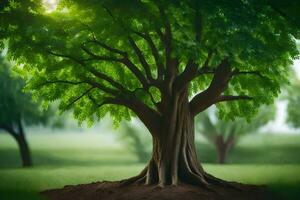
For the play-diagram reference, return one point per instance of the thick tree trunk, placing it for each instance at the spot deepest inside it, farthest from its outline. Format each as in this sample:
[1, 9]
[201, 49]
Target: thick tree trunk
[174, 156]
[174, 159]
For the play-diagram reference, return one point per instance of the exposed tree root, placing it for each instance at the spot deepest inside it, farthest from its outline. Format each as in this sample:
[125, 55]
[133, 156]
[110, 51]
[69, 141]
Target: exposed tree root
[114, 191]
[205, 181]
[135, 179]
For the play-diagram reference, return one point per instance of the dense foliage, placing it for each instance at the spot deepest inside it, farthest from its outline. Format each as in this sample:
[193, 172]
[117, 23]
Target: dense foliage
[88, 53]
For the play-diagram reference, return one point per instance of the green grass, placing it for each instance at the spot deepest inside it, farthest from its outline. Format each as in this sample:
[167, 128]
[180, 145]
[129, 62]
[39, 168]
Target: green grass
[64, 159]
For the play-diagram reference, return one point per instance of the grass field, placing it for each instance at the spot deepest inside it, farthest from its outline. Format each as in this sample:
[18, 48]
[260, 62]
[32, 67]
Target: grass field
[62, 159]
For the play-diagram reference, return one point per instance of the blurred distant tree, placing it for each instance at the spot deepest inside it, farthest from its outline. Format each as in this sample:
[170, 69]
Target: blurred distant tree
[134, 137]
[225, 134]
[163, 61]
[17, 109]
[293, 107]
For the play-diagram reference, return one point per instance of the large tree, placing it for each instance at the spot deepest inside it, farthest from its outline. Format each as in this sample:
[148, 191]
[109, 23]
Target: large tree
[17, 108]
[224, 135]
[163, 61]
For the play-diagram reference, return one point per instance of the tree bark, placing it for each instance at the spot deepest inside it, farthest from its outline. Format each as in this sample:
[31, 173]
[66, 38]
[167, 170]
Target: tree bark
[174, 159]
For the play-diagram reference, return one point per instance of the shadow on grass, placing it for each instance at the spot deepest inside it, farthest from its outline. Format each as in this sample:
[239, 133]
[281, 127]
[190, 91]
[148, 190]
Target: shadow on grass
[20, 195]
[285, 192]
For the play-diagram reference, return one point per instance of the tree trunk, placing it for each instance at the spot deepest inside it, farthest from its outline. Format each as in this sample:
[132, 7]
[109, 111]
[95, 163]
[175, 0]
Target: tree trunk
[174, 159]
[221, 149]
[24, 151]
[223, 146]
[20, 138]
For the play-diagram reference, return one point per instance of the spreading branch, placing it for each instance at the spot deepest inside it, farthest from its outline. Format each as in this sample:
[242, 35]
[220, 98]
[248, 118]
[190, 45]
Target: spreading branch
[149, 116]
[60, 81]
[191, 71]
[223, 98]
[98, 57]
[198, 22]
[218, 84]
[187, 75]
[107, 47]
[124, 60]
[256, 73]
[165, 37]
[79, 97]
[154, 51]
[93, 71]
[141, 58]
[205, 66]
[9, 129]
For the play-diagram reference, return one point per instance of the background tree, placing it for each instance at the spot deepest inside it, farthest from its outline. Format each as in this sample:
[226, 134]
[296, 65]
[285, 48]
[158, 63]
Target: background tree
[163, 61]
[17, 109]
[133, 135]
[293, 97]
[224, 135]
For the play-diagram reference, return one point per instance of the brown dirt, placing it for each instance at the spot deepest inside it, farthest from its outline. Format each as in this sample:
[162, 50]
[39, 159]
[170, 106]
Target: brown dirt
[115, 191]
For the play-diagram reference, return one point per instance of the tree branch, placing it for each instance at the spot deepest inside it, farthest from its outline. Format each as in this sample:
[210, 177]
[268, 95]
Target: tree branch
[60, 81]
[223, 98]
[147, 115]
[141, 58]
[135, 70]
[97, 57]
[79, 97]
[103, 88]
[186, 76]
[125, 60]
[159, 64]
[10, 130]
[191, 71]
[198, 22]
[256, 73]
[206, 63]
[166, 37]
[218, 84]
[107, 47]
[94, 72]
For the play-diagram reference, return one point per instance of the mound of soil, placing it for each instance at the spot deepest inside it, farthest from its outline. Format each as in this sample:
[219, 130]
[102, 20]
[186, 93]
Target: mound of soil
[116, 191]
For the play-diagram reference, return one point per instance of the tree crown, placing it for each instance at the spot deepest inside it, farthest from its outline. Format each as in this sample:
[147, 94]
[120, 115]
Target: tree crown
[128, 57]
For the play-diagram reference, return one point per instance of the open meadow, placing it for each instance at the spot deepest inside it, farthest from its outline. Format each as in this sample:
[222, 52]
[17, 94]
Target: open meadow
[64, 159]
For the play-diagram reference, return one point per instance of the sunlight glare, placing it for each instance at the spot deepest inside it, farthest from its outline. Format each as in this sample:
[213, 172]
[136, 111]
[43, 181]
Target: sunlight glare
[50, 5]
